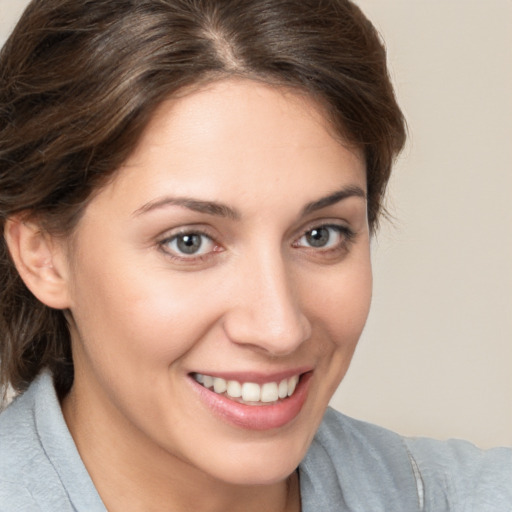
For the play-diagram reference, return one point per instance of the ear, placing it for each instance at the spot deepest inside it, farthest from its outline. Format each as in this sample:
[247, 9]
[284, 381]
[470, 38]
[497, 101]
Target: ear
[40, 260]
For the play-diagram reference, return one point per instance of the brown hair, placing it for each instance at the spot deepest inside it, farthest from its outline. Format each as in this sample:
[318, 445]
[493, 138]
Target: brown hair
[79, 81]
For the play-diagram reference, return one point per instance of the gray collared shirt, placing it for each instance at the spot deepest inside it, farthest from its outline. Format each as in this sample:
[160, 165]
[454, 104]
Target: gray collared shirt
[351, 466]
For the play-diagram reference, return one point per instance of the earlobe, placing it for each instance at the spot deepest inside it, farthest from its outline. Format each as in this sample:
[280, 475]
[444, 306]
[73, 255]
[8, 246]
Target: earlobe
[40, 261]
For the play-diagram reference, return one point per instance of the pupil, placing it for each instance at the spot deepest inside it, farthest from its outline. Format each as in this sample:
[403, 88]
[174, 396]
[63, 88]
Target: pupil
[189, 244]
[318, 237]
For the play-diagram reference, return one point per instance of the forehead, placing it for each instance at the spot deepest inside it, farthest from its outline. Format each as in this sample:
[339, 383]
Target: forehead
[239, 136]
[263, 106]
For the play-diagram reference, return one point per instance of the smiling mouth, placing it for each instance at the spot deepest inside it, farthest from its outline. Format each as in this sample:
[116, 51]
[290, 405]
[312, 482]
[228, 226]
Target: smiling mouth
[249, 393]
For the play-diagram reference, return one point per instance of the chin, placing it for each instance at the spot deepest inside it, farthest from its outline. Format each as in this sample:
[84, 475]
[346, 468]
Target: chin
[258, 461]
[261, 472]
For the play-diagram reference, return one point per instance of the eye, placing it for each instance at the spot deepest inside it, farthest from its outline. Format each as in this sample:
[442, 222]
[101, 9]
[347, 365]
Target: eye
[189, 245]
[325, 237]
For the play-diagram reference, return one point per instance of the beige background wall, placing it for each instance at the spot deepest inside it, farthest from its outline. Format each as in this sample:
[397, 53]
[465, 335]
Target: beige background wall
[436, 356]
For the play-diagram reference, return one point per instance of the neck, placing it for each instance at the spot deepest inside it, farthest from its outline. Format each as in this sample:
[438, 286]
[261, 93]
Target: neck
[132, 474]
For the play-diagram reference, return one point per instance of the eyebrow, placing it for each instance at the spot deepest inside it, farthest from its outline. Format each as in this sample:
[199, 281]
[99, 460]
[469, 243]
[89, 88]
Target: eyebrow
[336, 197]
[222, 210]
[208, 207]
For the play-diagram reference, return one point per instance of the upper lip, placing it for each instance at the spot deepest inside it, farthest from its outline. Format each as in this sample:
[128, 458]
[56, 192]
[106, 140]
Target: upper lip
[257, 377]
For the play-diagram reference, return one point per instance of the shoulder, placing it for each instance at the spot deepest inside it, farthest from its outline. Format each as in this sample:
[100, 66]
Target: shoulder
[28, 479]
[363, 466]
[398, 473]
[20, 448]
[16, 497]
[466, 477]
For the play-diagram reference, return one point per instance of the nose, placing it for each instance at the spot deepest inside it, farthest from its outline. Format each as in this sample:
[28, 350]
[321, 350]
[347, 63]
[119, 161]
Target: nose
[266, 307]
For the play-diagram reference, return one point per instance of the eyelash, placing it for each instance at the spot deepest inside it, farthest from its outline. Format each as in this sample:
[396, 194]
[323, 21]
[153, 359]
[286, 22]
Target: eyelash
[164, 246]
[346, 234]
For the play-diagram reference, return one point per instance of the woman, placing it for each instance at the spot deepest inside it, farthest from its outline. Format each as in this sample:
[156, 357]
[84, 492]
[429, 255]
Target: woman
[188, 190]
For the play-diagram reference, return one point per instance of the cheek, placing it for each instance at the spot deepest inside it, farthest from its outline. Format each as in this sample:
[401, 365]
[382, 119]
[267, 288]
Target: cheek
[339, 302]
[134, 316]
[340, 315]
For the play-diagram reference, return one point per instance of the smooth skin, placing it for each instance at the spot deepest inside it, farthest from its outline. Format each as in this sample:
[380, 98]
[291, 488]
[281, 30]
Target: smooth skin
[212, 250]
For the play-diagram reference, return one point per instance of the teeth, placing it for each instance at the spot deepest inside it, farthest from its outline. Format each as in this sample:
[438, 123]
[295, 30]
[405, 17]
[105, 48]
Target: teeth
[292, 384]
[219, 385]
[250, 391]
[269, 392]
[283, 389]
[234, 389]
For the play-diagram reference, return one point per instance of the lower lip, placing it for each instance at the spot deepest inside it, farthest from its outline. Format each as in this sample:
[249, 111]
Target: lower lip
[256, 417]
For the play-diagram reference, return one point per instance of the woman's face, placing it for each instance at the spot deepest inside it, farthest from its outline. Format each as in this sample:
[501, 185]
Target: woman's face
[233, 248]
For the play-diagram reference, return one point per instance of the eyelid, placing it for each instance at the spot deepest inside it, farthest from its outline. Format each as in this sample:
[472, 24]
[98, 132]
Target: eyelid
[345, 232]
[335, 223]
[199, 229]
[172, 234]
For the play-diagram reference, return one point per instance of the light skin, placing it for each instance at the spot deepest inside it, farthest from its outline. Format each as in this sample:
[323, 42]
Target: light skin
[280, 283]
